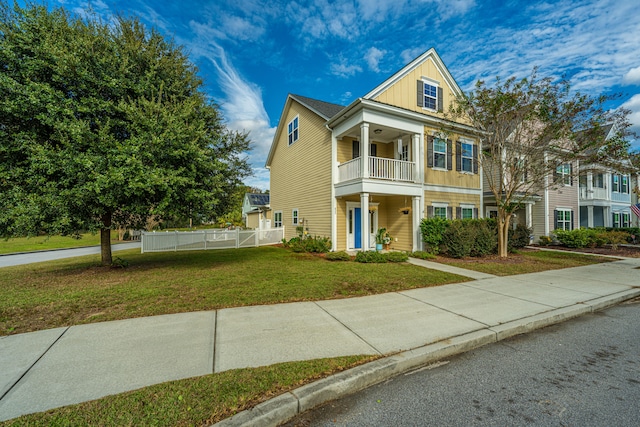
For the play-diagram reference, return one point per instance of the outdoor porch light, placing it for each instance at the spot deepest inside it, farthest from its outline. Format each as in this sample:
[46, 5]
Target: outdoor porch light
[377, 131]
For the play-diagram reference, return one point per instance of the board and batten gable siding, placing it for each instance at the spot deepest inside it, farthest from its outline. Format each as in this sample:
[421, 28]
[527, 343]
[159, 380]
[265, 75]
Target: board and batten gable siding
[403, 92]
[300, 176]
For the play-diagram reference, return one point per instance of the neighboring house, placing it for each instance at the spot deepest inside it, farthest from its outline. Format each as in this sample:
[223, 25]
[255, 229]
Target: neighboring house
[635, 200]
[388, 159]
[605, 194]
[256, 212]
[553, 206]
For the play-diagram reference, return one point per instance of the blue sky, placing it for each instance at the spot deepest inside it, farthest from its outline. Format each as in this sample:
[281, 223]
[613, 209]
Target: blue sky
[252, 53]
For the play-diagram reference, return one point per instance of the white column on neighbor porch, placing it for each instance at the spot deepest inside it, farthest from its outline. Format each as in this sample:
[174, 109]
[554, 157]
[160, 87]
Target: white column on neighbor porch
[415, 212]
[606, 211]
[415, 158]
[334, 180]
[590, 216]
[529, 217]
[364, 149]
[364, 212]
[589, 194]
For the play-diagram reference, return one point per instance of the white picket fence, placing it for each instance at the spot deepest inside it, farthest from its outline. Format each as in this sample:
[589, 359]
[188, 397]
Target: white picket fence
[171, 241]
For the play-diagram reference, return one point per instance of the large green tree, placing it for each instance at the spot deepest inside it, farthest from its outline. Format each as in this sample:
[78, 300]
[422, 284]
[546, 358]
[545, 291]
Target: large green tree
[103, 123]
[530, 127]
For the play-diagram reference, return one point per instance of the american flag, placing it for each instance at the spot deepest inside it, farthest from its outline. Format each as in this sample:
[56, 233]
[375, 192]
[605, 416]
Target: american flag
[636, 209]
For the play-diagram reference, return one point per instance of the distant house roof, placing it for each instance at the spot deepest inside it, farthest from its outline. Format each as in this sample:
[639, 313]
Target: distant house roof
[322, 108]
[257, 199]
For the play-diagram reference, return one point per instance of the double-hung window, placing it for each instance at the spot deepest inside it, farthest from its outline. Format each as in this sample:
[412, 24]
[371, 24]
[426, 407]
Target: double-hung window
[624, 184]
[294, 216]
[430, 96]
[563, 221]
[404, 155]
[615, 185]
[277, 219]
[563, 172]
[440, 212]
[616, 220]
[626, 220]
[293, 130]
[467, 213]
[467, 157]
[439, 153]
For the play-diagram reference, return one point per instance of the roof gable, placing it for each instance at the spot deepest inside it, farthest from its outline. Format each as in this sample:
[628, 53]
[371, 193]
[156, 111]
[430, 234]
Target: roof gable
[429, 56]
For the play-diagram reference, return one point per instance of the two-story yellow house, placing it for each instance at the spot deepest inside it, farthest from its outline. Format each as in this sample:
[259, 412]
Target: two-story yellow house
[388, 159]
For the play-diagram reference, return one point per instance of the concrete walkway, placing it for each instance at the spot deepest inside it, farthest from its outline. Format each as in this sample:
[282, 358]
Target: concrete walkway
[57, 367]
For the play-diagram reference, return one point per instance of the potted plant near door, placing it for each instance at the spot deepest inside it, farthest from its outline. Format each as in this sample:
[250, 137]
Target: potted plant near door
[382, 238]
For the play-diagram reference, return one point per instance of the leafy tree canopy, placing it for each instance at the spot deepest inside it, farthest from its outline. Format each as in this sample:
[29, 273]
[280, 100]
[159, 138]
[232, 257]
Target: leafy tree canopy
[529, 128]
[103, 123]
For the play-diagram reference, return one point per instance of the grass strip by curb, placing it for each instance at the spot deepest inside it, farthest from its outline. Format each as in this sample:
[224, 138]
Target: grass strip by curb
[196, 401]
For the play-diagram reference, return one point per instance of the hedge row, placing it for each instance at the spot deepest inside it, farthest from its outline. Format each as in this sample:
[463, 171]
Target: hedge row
[468, 237]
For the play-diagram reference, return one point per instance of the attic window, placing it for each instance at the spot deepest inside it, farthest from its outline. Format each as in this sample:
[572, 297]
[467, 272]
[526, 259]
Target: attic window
[293, 130]
[430, 96]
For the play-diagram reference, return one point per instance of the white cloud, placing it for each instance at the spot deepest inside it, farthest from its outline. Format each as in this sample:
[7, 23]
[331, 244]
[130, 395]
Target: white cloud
[344, 69]
[373, 57]
[632, 76]
[633, 104]
[243, 109]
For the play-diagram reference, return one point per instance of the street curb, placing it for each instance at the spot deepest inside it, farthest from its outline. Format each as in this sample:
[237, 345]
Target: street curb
[280, 409]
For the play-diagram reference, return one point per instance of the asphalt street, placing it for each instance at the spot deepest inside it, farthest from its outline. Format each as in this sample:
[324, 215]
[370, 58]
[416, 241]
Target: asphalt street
[584, 372]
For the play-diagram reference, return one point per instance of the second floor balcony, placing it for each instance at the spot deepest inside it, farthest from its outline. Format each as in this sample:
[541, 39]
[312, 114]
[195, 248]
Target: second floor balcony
[594, 193]
[378, 168]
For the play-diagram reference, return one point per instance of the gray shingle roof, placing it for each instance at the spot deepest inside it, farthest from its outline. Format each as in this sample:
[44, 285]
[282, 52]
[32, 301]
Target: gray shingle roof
[325, 109]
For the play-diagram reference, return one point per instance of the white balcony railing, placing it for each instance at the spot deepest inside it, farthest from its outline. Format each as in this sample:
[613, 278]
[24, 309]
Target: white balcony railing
[379, 168]
[594, 194]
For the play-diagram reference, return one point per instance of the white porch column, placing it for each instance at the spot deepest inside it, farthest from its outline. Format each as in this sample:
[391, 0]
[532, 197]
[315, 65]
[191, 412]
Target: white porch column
[590, 216]
[589, 194]
[415, 211]
[529, 217]
[334, 180]
[364, 212]
[415, 158]
[606, 212]
[364, 149]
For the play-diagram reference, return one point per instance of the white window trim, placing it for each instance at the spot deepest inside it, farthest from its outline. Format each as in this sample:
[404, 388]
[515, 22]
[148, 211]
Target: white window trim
[439, 152]
[563, 175]
[295, 216]
[619, 222]
[440, 205]
[434, 83]
[293, 136]
[616, 185]
[565, 221]
[464, 141]
[275, 219]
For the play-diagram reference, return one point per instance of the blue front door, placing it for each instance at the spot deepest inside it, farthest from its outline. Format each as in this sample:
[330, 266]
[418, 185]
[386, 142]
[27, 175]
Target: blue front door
[357, 229]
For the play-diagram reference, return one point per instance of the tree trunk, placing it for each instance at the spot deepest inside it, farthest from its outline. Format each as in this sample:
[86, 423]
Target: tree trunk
[105, 240]
[503, 234]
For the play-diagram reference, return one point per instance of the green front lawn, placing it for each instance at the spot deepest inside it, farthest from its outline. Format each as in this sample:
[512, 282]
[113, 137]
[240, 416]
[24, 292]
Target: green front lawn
[79, 290]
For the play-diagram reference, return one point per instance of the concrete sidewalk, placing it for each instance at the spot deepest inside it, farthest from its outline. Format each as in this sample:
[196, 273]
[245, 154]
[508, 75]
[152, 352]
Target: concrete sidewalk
[8, 260]
[52, 368]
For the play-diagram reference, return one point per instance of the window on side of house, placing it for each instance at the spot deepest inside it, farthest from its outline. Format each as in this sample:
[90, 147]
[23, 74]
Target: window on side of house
[626, 220]
[563, 173]
[277, 219]
[616, 220]
[439, 212]
[467, 157]
[624, 184]
[467, 212]
[293, 130]
[294, 216]
[563, 219]
[615, 183]
[439, 153]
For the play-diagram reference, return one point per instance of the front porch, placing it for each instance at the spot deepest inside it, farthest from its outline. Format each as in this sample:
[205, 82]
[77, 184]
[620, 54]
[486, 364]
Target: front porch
[360, 216]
